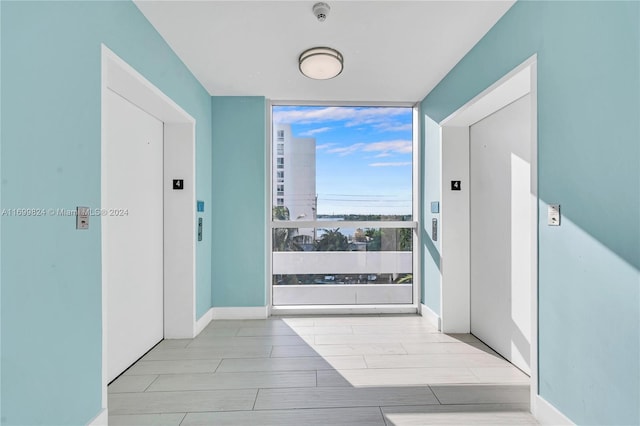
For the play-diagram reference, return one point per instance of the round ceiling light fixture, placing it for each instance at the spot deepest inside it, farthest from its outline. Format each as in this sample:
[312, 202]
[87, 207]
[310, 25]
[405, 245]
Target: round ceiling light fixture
[321, 63]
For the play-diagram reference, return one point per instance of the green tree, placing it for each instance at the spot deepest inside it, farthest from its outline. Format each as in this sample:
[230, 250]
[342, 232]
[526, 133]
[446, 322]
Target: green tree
[332, 240]
[374, 236]
[405, 240]
[389, 239]
[283, 237]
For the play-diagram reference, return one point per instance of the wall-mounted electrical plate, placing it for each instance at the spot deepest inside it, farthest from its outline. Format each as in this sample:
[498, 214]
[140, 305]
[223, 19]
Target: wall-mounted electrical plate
[553, 215]
[82, 217]
[434, 229]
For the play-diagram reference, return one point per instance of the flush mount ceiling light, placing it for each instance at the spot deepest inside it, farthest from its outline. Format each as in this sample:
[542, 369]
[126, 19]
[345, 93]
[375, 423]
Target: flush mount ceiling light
[321, 63]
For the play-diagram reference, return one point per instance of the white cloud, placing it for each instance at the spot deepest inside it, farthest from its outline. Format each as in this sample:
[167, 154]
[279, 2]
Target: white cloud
[346, 150]
[397, 146]
[393, 127]
[392, 164]
[324, 146]
[353, 115]
[384, 149]
[315, 131]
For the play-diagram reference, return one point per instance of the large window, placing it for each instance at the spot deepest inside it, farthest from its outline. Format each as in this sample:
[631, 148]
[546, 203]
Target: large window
[343, 230]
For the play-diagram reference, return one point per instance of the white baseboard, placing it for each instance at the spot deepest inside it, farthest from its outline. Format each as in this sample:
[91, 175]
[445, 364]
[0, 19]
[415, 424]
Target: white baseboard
[102, 419]
[342, 310]
[204, 321]
[258, 312]
[431, 316]
[547, 414]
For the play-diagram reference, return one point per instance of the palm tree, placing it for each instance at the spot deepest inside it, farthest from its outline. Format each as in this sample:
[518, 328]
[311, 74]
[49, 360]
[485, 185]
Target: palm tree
[332, 240]
[283, 237]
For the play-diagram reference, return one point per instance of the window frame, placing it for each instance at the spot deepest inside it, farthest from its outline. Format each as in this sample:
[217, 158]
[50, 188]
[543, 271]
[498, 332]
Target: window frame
[415, 224]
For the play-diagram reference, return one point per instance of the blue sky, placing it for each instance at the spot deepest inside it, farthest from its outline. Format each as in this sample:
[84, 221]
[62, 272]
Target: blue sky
[363, 156]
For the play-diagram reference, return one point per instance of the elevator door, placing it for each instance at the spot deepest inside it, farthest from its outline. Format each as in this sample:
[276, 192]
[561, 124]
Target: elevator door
[500, 153]
[133, 232]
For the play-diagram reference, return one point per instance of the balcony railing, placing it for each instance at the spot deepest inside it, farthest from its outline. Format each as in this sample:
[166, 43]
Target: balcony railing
[375, 268]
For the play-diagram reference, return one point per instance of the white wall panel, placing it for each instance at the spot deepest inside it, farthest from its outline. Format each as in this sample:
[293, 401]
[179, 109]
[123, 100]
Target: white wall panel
[340, 262]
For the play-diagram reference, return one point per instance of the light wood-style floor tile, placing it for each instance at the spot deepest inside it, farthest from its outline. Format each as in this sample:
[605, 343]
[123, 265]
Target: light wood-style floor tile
[321, 370]
[169, 419]
[211, 353]
[396, 377]
[126, 383]
[174, 367]
[366, 416]
[298, 321]
[270, 399]
[220, 331]
[482, 394]
[333, 378]
[291, 363]
[173, 343]
[231, 341]
[408, 337]
[266, 331]
[319, 330]
[507, 374]
[293, 351]
[245, 380]
[173, 402]
[447, 348]
[434, 360]
[484, 414]
[266, 323]
[361, 349]
[393, 329]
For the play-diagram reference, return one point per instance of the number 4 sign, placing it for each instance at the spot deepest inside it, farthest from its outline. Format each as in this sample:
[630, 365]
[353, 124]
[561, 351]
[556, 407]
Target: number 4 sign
[455, 185]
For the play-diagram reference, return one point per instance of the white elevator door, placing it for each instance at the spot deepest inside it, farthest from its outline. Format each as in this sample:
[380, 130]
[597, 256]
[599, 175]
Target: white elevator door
[133, 246]
[500, 149]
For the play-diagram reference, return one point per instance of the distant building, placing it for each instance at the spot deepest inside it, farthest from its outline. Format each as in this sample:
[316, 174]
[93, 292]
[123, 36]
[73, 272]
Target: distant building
[294, 177]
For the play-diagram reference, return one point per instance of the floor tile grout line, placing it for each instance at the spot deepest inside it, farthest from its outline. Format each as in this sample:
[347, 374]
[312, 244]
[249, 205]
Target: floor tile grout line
[373, 404]
[384, 420]
[183, 417]
[218, 366]
[434, 395]
[300, 387]
[253, 408]
[152, 382]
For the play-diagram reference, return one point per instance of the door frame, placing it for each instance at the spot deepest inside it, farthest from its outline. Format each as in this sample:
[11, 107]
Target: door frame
[178, 206]
[455, 285]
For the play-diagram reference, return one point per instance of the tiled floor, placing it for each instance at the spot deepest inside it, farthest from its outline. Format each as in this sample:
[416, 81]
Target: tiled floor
[358, 370]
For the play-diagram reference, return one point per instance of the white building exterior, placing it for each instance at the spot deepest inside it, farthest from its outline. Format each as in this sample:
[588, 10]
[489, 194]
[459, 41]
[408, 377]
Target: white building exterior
[294, 175]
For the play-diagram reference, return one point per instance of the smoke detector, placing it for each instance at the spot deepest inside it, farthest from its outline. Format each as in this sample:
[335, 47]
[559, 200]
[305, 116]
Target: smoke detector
[320, 11]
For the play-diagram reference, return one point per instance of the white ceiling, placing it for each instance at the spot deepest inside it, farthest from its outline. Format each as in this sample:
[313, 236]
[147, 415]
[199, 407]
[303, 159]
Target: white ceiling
[394, 51]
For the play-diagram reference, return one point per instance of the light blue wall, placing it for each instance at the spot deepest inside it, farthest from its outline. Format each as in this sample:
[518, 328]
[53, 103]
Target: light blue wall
[50, 153]
[0, 221]
[430, 143]
[588, 161]
[239, 210]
